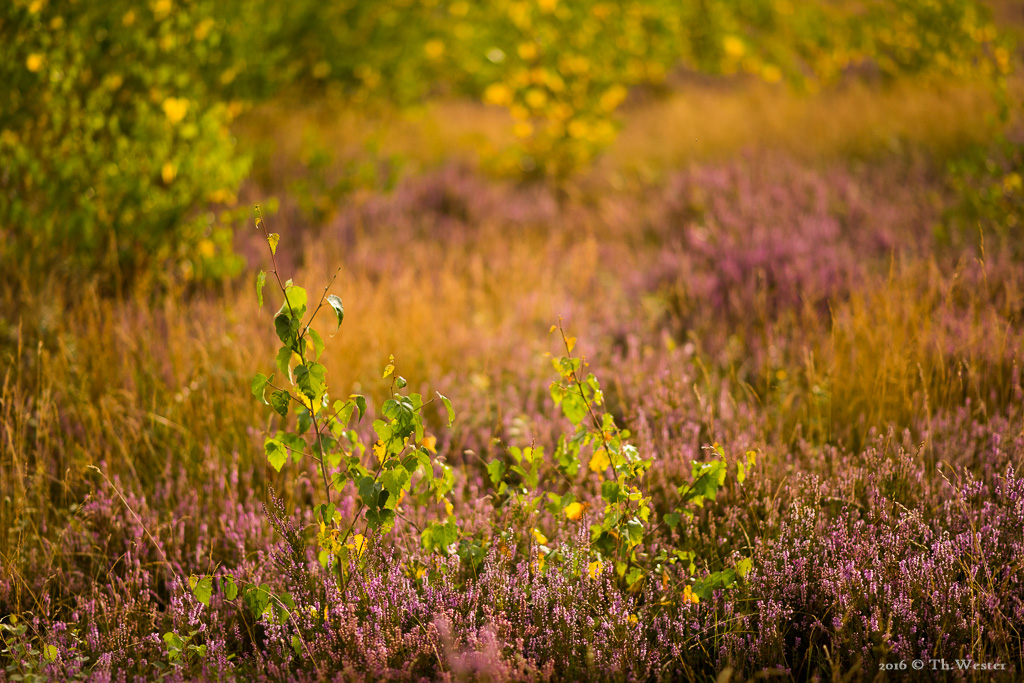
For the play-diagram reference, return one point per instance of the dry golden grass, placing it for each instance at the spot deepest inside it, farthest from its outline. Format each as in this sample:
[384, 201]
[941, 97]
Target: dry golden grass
[708, 121]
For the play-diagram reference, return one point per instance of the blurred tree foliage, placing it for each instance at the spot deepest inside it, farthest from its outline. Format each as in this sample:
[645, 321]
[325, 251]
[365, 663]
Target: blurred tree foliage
[114, 138]
[114, 128]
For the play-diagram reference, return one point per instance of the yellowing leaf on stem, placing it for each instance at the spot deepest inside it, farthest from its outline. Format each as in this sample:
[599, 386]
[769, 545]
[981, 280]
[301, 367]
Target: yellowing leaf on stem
[358, 544]
[570, 343]
[273, 238]
[574, 511]
[599, 462]
[314, 408]
[594, 569]
[430, 443]
[539, 537]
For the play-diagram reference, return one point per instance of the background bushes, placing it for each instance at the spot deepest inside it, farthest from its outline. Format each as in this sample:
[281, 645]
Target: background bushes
[114, 130]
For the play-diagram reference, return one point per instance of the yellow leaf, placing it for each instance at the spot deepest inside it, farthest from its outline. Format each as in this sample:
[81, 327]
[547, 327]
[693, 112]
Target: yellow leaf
[541, 559]
[498, 94]
[689, 596]
[599, 461]
[379, 450]
[168, 173]
[594, 569]
[734, 47]
[273, 238]
[175, 108]
[539, 537]
[430, 443]
[448, 507]
[310, 406]
[207, 249]
[553, 328]
[527, 51]
[523, 129]
[536, 98]
[358, 544]
[574, 511]
[34, 62]
[204, 28]
[434, 49]
[162, 8]
[613, 97]
[570, 343]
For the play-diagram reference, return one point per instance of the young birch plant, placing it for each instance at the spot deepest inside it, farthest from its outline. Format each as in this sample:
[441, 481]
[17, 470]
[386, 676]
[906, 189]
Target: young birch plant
[402, 461]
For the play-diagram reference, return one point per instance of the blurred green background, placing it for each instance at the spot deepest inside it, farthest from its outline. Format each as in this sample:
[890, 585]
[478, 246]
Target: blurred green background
[128, 129]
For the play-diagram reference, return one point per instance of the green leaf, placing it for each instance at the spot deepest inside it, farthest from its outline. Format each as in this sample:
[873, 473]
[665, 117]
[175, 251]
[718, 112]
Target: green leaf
[203, 589]
[230, 588]
[439, 536]
[634, 531]
[296, 298]
[327, 512]
[273, 238]
[258, 599]
[381, 520]
[284, 358]
[743, 567]
[311, 378]
[174, 641]
[279, 400]
[448, 407]
[704, 589]
[318, 342]
[259, 386]
[672, 520]
[276, 453]
[496, 470]
[360, 404]
[394, 482]
[610, 491]
[339, 310]
[369, 490]
[50, 653]
[297, 645]
[261, 281]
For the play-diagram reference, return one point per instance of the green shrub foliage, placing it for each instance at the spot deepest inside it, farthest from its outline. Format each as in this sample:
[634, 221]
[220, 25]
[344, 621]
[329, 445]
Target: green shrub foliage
[114, 138]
